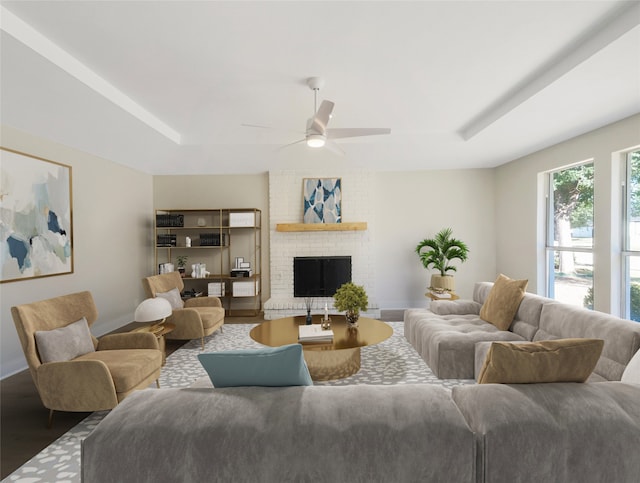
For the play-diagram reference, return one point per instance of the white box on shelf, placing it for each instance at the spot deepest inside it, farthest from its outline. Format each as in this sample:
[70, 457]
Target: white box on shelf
[245, 289]
[242, 219]
[215, 289]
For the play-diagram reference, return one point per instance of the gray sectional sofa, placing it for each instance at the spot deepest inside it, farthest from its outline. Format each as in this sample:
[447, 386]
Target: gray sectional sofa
[476, 433]
[452, 338]
[485, 433]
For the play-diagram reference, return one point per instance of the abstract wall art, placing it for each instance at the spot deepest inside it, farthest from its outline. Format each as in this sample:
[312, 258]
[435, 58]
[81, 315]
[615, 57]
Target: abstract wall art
[35, 217]
[322, 200]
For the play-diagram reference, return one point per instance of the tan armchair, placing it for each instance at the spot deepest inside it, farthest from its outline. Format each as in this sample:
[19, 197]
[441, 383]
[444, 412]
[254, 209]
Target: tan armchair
[96, 380]
[200, 317]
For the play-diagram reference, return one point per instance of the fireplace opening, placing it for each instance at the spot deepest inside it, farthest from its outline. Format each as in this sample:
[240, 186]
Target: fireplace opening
[320, 276]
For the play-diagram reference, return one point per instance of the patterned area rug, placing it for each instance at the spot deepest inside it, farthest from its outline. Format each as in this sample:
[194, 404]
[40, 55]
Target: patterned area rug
[393, 361]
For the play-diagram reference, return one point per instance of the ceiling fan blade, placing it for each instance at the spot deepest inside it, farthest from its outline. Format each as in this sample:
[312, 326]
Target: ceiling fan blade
[321, 119]
[278, 129]
[291, 144]
[351, 132]
[334, 148]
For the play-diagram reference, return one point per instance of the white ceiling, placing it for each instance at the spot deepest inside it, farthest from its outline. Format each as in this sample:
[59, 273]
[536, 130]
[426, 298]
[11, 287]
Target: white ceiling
[541, 72]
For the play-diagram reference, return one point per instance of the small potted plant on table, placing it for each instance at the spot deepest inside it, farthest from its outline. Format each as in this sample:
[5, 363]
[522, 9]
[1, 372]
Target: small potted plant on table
[351, 299]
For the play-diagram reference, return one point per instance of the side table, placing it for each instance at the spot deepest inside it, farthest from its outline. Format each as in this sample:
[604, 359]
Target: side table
[159, 330]
[435, 297]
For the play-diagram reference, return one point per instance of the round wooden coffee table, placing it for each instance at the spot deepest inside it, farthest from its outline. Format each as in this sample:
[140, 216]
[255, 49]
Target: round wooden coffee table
[330, 360]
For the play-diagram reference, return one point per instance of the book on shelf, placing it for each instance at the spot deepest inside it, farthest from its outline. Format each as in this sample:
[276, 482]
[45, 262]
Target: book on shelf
[440, 295]
[314, 333]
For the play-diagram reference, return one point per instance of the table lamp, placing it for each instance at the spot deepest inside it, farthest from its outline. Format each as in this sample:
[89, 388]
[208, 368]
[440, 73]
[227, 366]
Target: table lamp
[153, 310]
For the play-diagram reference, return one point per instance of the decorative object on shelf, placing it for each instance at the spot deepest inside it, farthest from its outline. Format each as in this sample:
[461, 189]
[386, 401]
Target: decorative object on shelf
[187, 241]
[242, 219]
[201, 222]
[182, 260]
[36, 217]
[351, 299]
[165, 268]
[322, 200]
[199, 270]
[166, 240]
[308, 302]
[170, 220]
[441, 250]
[212, 239]
[216, 289]
[242, 268]
[154, 310]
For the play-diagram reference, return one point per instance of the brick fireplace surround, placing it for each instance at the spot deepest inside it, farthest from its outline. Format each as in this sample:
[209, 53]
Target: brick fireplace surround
[285, 206]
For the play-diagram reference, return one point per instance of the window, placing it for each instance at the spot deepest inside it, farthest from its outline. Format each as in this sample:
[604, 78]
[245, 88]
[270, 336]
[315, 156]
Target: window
[569, 240]
[631, 241]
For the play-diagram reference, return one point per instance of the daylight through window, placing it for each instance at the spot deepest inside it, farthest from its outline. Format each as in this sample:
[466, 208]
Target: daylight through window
[569, 241]
[631, 244]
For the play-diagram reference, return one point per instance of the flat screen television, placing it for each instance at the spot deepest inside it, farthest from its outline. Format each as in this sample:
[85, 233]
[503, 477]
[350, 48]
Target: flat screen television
[320, 276]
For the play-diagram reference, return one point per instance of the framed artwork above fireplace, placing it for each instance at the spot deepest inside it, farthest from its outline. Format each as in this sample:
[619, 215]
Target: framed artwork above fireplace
[322, 198]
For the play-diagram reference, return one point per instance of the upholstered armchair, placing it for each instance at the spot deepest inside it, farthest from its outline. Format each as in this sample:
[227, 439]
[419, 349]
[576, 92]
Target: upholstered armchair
[196, 318]
[74, 371]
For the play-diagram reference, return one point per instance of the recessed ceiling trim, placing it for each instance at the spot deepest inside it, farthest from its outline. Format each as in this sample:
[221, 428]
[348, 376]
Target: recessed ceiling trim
[610, 28]
[33, 39]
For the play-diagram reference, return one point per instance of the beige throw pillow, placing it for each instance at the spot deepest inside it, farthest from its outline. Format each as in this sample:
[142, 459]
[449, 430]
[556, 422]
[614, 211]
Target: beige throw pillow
[560, 360]
[503, 301]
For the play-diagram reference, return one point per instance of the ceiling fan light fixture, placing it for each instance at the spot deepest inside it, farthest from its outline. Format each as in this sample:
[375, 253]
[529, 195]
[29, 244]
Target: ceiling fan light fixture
[316, 140]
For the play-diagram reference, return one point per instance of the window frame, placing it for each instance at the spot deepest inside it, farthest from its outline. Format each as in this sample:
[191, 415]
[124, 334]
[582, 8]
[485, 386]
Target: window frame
[549, 248]
[626, 252]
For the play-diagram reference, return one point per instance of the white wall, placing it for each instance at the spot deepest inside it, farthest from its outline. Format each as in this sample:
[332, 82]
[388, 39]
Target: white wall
[112, 212]
[410, 207]
[519, 216]
[406, 208]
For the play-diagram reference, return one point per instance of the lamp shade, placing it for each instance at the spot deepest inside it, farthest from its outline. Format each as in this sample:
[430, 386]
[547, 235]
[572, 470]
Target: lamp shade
[151, 310]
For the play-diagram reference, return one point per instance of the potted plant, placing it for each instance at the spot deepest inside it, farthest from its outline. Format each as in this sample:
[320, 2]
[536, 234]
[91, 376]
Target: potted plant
[182, 263]
[351, 299]
[438, 253]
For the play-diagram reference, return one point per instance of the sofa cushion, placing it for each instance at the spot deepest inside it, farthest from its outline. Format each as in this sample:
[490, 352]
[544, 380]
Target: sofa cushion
[560, 432]
[447, 342]
[320, 434]
[127, 366]
[503, 301]
[596, 425]
[173, 296]
[631, 373]
[622, 337]
[564, 360]
[65, 343]
[271, 366]
[455, 307]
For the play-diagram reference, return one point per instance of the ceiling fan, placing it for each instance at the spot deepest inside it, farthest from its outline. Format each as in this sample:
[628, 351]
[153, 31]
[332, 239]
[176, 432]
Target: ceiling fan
[317, 134]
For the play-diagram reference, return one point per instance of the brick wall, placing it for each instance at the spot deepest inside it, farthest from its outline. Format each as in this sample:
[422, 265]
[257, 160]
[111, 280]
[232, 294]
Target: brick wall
[285, 206]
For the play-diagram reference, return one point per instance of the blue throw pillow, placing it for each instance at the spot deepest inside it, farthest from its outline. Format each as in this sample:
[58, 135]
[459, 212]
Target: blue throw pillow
[271, 366]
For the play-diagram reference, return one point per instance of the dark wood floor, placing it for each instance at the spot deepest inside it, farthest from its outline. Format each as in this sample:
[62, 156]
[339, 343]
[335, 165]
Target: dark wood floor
[23, 418]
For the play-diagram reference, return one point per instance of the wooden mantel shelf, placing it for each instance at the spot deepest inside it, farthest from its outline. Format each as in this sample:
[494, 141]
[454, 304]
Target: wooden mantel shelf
[351, 226]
